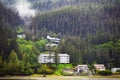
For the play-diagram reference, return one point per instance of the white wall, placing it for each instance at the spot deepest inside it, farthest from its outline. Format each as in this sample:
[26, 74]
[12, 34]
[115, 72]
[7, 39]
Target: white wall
[62, 59]
[114, 69]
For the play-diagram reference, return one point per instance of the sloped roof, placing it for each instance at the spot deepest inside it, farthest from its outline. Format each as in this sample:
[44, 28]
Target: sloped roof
[52, 54]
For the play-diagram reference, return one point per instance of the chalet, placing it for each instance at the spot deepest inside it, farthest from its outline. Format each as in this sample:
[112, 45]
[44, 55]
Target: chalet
[53, 39]
[50, 58]
[99, 67]
[82, 69]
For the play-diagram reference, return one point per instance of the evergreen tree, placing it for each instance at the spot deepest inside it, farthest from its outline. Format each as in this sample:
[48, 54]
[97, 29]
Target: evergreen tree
[13, 63]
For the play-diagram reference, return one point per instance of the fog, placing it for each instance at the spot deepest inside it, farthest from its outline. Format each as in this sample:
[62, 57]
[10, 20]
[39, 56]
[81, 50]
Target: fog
[24, 8]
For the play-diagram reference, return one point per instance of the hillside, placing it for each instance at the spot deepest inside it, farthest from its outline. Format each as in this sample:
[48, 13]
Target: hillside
[82, 19]
[9, 20]
[83, 27]
[9, 17]
[47, 5]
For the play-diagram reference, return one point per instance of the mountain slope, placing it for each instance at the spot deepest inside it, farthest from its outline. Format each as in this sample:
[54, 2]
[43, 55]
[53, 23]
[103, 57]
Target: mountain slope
[9, 20]
[83, 19]
[47, 5]
[9, 17]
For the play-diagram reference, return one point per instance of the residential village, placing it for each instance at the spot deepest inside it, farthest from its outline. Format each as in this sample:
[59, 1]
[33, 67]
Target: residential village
[64, 58]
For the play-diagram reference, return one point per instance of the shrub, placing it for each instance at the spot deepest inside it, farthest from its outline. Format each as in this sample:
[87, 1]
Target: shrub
[44, 69]
[58, 72]
[60, 68]
[118, 71]
[49, 71]
[105, 72]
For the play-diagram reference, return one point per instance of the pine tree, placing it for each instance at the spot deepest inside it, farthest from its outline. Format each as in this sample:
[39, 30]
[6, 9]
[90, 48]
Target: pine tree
[13, 63]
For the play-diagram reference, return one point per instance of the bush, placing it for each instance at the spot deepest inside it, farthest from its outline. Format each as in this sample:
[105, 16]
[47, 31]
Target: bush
[105, 72]
[49, 71]
[58, 72]
[60, 68]
[118, 71]
[44, 69]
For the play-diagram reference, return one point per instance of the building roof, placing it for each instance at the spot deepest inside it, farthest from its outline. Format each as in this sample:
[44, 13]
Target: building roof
[98, 65]
[52, 54]
[63, 54]
[81, 66]
[47, 54]
[53, 38]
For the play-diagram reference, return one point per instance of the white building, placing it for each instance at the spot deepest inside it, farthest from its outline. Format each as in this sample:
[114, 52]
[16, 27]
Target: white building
[53, 39]
[21, 35]
[50, 58]
[114, 69]
[99, 67]
[82, 69]
[64, 58]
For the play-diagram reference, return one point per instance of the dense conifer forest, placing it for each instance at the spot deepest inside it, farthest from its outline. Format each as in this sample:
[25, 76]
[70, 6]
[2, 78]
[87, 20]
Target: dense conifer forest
[89, 31]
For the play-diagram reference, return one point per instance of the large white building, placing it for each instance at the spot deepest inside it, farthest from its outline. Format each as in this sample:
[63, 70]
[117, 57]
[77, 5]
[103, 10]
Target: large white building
[50, 58]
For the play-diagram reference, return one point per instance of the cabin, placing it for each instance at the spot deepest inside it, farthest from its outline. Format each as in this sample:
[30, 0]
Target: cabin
[82, 69]
[50, 58]
[53, 39]
[21, 35]
[114, 70]
[99, 67]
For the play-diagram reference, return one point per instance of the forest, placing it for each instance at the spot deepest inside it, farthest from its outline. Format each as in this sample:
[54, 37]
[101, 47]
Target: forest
[89, 33]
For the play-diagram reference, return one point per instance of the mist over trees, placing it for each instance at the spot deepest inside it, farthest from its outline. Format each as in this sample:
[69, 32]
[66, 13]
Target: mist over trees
[8, 17]
[9, 20]
[89, 31]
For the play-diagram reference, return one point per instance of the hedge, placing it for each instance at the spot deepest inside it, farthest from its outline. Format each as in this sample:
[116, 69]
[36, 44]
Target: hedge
[105, 72]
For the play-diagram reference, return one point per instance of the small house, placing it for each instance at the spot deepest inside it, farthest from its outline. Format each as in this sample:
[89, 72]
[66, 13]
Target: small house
[53, 39]
[82, 69]
[113, 70]
[99, 67]
[21, 35]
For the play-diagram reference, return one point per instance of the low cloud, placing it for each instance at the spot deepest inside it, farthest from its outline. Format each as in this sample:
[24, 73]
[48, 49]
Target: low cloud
[24, 8]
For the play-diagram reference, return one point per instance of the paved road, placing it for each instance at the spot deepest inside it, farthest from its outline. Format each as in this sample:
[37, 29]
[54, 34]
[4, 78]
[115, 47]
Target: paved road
[55, 78]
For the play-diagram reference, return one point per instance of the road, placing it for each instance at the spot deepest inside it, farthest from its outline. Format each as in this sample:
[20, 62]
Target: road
[55, 78]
